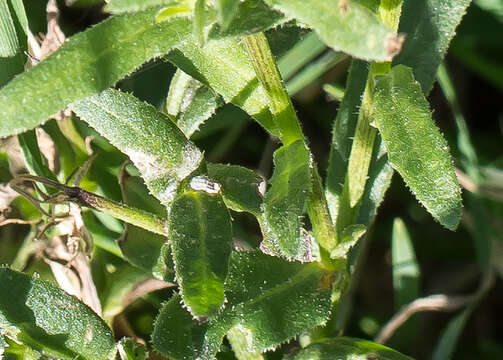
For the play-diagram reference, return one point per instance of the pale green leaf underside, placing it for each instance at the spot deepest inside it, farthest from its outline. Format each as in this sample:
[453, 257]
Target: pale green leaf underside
[122, 6]
[429, 26]
[344, 26]
[284, 204]
[86, 64]
[269, 299]
[159, 150]
[200, 234]
[344, 348]
[416, 148]
[224, 66]
[49, 320]
[190, 102]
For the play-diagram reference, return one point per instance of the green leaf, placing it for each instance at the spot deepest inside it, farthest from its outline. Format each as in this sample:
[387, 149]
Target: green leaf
[284, 204]
[154, 144]
[405, 268]
[448, 340]
[34, 161]
[9, 45]
[198, 21]
[86, 64]
[200, 234]
[224, 66]
[269, 299]
[131, 350]
[178, 336]
[226, 10]
[429, 26]
[190, 102]
[123, 6]
[49, 320]
[240, 187]
[344, 26]
[344, 348]
[140, 247]
[416, 148]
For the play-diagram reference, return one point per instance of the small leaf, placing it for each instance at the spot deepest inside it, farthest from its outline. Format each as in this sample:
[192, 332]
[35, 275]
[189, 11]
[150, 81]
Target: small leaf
[344, 348]
[405, 267]
[190, 102]
[284, 204]
[49, 320]
[131, 350]
[154, 144]
[240, 187]
[224, 66]
[429, 26]
[269, 299]
[200, 234]
[345, 26]
[416, 148]
[86, 64]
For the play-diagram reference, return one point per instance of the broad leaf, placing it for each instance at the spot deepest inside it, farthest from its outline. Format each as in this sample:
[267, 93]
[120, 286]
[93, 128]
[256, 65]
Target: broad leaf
[345, 26]
[200, 234]
[122, 6]
[49, 320]
[224, 66]
[144, 249]
[284, 204]
[416, 148]
[240, 187]
[154, 144]
[269, 299]
[429, 26]
[86, 64]
[344, 348]
[190, 102]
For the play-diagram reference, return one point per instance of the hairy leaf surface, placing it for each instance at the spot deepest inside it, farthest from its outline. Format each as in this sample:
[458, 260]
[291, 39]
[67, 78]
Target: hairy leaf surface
[284, 204]
[190, 102]
[429, 26]
[416, 148]
[240, 187]
[159, 150]
[122, 6]
[345, 26]
[200, 234]
[269, 299]
[344, 348]
[86, 64]
[49, 320]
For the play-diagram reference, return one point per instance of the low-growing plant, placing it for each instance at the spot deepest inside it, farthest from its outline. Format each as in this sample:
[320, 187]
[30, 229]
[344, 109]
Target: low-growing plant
[187, 220]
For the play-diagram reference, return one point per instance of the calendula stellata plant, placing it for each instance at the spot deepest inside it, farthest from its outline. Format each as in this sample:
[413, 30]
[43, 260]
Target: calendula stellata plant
[181, 212]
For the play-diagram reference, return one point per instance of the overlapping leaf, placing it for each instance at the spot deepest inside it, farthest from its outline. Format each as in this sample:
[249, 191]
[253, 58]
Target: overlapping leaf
[416, 148]
[86, 64]
[200, 234]
[429, 26]
[50, 321]
[344, 348]
[284, 204]
[345, 26]
[269, 299]
[154, 144]
[9, 44]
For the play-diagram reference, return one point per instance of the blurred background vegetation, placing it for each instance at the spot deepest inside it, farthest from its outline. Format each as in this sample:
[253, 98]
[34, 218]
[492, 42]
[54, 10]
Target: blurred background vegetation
[402, 260]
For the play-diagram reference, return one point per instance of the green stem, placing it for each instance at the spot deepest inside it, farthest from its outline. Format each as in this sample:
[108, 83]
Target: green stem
[363, 142]
[131, 215]
[237, 339]
[286, 119]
